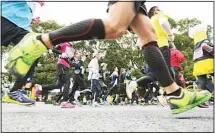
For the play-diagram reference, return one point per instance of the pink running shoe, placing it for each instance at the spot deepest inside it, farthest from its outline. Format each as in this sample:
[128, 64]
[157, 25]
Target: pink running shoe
[67, 105]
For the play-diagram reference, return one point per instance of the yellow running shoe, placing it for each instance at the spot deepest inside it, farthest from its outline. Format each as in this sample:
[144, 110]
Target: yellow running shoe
[23, 55]
[7, 99]
[187, 100]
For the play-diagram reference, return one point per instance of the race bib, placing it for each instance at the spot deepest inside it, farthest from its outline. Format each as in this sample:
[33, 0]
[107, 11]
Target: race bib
[198, 53]
[70, 52]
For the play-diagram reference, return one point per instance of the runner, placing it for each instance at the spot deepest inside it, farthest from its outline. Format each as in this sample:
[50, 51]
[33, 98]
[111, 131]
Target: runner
[78, 78]
[15, 20]
[66, 52]
[203, 57]
[163, 30]
[93, 77]
[114, 85]
[102, 80]
[122, 86]
[128, 79]
[122, 15]
[177, 57]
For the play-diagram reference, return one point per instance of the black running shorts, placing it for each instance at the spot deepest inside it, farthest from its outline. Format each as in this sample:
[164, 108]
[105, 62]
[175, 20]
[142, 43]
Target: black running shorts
[139, 6]
[11, 32]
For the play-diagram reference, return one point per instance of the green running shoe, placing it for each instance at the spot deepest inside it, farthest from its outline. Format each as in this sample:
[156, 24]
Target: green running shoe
[187, 100]
[23, 55]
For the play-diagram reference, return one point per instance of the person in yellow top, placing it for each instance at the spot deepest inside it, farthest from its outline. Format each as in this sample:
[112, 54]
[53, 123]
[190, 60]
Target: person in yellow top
[203, 57]
[163, 30]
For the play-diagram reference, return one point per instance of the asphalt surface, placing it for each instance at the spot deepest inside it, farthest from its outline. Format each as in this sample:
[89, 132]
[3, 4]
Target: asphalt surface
[153, 118]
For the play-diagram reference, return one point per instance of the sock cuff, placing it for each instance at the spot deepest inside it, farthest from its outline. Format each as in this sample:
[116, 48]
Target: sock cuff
[40, 38]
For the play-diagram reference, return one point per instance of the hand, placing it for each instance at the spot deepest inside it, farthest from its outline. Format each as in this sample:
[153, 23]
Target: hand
[36, 20]
[171, 38]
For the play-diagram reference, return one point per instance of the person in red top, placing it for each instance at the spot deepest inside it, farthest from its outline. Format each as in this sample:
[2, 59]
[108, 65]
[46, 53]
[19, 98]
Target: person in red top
[176, 59]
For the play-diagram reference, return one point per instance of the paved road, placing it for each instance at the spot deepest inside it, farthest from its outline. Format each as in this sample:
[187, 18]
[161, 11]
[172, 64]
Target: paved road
[106, 118]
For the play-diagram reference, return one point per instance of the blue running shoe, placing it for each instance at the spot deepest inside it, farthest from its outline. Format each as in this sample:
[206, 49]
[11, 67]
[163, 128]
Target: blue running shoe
[24, 92]
[18, 96]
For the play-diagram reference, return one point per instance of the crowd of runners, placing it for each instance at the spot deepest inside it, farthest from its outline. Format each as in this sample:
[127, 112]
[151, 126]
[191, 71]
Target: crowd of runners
[162, 80]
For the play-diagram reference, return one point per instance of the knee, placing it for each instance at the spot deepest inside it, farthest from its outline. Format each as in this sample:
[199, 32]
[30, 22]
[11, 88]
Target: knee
[116, 28]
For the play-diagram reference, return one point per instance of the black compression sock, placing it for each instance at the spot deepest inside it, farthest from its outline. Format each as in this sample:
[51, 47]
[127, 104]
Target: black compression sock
[176, 93]
[156, 62]
[84, 30]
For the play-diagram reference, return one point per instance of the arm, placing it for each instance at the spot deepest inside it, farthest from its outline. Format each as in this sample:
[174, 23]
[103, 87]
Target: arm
[208, 48]
[166, 27]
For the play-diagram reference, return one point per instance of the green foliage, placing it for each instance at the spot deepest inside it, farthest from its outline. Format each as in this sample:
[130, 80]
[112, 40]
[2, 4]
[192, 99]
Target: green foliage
[185, 24]
[173, 23]
[46, 70]
[182, 41]
[210, 32]
[45, 27]
[188, 65]
[137, 73]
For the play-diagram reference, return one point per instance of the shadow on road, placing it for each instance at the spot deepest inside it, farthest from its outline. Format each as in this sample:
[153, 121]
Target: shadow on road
[195, 117]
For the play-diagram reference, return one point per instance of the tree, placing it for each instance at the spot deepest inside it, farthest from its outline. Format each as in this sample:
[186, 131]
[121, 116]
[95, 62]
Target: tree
[173, 23]
[188, 65]
[210, 32]
[183, 41]
[183, 25]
